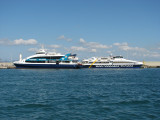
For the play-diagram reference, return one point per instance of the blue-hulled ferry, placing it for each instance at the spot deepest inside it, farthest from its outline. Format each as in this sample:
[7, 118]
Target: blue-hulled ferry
[42, 59]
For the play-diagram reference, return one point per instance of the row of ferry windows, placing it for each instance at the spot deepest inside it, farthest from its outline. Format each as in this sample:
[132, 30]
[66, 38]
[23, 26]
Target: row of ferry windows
[108, 62]
[53, 57]
[47, 61]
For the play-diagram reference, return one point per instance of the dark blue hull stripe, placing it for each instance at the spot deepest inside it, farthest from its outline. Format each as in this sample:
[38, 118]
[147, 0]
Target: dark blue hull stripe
[45, 66]
[73, 66]
[113, 66]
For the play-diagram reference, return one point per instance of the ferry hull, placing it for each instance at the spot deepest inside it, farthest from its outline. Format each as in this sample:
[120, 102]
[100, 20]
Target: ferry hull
[63, 66]
[112, 66]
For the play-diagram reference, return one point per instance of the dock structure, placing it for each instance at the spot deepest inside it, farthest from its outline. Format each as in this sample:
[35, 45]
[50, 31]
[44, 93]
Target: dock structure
[151, 64]
[7, 65]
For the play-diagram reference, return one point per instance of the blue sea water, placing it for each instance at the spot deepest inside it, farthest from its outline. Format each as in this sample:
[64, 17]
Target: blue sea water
[79, 94]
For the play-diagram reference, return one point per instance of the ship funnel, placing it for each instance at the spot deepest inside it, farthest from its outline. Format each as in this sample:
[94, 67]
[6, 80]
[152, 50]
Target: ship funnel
[20, 57]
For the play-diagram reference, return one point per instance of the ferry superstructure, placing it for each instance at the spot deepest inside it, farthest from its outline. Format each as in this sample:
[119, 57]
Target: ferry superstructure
[42, 59]
[110, 62]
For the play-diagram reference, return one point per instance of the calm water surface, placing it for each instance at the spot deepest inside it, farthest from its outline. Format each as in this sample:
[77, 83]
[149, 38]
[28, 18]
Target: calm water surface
[81, 94]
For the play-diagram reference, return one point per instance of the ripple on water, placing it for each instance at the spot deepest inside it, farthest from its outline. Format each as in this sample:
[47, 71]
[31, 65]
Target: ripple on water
[83, 94]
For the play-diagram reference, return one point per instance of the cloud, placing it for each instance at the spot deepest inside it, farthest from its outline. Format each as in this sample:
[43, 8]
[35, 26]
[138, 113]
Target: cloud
[32, 49]
[82, 40]
[93, 50]
[24, 42]
[121, 44]
[5, 42]
[55, 46]
[152, 54]
[155, 55]
[93, 44]
[109, 52]
[134, 54]
[18, 42]
[75, 48]
[68, 39]
[124, 46]
[62, 37]
[97, 45]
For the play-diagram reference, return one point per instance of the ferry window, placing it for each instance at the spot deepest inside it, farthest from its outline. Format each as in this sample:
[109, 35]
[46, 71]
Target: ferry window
[48, 57]
[118, 57]
[85, 62]
[35, 61]
[66, 61]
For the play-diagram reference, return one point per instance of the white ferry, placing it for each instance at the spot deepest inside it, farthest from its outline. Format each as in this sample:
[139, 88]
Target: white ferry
[42, 59]
[110, 62]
